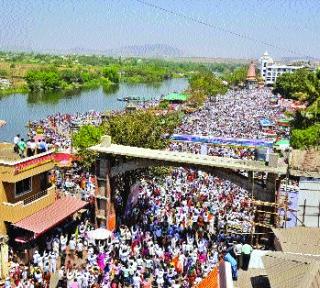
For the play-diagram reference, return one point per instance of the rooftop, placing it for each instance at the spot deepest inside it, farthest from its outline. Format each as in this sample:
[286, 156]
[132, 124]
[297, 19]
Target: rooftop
[305, 163]
[300, 240]
[292, 271]
[7, 153]
[9, 157]
[39, 222]
[185, 158]
[176, 97]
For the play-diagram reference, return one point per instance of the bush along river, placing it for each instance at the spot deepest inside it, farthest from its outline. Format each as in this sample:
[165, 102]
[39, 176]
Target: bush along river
[18, 109]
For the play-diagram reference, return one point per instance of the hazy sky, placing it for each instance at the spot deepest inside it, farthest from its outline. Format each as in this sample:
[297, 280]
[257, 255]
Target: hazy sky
[105, 24]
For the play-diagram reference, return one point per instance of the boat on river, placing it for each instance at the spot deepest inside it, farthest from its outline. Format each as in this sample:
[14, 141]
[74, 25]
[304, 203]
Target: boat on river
[127, 99]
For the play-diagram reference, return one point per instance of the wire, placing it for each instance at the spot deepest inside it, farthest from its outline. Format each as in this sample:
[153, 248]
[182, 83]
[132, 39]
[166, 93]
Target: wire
[199, 21]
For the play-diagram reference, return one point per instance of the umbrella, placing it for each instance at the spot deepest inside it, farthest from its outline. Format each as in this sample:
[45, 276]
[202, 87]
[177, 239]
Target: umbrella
[99, 234]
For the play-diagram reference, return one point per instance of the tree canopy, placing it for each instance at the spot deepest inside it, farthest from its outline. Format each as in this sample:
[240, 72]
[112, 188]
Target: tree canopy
[236, 77]
[303, 85]
[111, 73]
[205, 84]
[140, 128]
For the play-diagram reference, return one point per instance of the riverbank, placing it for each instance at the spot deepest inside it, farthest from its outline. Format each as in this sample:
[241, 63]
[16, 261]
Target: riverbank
[38, 106]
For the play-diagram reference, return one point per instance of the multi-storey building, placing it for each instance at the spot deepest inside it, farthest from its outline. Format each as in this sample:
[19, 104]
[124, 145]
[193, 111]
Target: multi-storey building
[28, 204]
[270, 70]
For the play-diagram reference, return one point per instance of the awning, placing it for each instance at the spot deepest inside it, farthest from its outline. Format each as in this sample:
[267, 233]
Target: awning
[50, 216]
[176, 97]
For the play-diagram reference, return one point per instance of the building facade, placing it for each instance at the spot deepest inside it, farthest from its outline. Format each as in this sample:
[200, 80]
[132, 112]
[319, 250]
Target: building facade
[29, 207]
[24, 188]
[270, 70]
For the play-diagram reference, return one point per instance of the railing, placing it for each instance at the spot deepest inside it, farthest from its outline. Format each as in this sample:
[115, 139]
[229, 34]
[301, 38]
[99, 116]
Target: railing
[35, 197]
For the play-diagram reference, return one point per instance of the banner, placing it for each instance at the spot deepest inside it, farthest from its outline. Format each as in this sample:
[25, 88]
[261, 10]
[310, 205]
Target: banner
[222, 141]
[29, 164]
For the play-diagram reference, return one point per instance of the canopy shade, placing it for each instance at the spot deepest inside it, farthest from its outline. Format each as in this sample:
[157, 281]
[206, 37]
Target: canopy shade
[50, 216]
[266, 122]
[176, 97]
[282, 144]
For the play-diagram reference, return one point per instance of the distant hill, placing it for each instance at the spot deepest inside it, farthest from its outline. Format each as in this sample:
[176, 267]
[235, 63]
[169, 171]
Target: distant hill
[298, 59]
[146, 51]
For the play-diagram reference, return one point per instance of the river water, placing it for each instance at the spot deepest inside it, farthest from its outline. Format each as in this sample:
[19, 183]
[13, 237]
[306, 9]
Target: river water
[18, 109]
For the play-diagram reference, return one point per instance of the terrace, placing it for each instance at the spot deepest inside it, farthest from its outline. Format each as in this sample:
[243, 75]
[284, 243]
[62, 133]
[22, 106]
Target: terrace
[13, 168]
[7, 153]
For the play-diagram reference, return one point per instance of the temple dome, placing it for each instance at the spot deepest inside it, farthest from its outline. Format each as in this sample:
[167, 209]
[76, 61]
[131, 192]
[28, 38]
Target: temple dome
[251, 75]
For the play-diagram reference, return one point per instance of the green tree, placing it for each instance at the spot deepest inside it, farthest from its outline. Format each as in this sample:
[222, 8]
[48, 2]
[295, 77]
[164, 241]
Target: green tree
[305, 138]
[111, 73]
[43, 80]
[236, 77]
[87, 136]
[302, 82]
[205, 84]
[3, 73]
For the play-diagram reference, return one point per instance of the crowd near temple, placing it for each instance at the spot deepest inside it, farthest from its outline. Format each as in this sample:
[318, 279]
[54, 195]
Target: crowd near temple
[63, 224]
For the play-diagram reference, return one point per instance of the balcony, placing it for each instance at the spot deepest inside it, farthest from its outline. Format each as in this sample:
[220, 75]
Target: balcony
[35, 197]
[14, 212]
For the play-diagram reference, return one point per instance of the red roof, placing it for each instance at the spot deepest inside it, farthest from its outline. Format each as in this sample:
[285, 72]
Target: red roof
[50, 216]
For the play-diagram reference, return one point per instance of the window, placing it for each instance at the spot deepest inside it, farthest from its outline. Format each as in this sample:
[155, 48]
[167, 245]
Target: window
[22, 187]
[44, 181]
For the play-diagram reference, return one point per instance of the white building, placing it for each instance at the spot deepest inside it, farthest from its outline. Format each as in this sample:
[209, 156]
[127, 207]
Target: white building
[270, 70]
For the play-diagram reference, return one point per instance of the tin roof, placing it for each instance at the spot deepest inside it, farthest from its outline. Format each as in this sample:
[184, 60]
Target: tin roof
[302, 240]
[292, 271]
[50, 216]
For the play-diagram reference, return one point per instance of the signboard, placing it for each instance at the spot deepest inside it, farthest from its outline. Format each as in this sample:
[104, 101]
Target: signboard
[32, 163]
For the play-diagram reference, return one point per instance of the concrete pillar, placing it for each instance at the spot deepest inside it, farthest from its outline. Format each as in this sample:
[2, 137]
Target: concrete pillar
[4, 257]
[106, 141]
[110, 209]
[272, 180]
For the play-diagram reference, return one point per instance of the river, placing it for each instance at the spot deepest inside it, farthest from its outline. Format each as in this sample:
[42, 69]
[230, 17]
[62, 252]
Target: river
[18, 109]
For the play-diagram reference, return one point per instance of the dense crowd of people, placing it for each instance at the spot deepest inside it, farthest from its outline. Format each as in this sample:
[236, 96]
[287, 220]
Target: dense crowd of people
[236, 114]
[246, 153]
[233, 115]
[74, 181]
[57, 128]
[181, 225]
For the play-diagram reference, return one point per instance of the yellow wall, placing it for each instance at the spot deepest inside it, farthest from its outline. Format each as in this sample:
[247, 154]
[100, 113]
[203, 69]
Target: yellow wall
[15, 212]
[7, 173]
[12, 209]
[8, 194]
